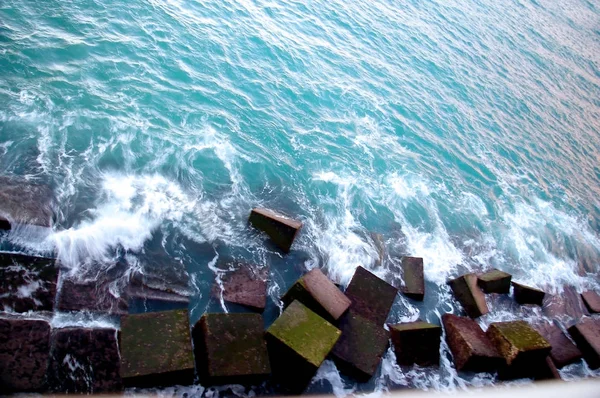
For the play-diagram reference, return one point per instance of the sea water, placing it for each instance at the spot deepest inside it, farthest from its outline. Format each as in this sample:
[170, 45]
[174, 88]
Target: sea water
[464, 132]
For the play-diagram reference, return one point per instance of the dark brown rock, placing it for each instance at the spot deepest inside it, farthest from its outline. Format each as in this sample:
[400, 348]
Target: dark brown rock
[298, 342]
[564, 352]
[156, 349]
[361, 346]
[90, 296]
[546, 370]
[27, 283]
[494, 281]
[471, 348]
[84, 361]
[371, 297]
[230, 349]
[281, 230]
[319, 294]
[24, 350]
[592, 301]
[566, 306]
[414, 278]
[416, 343]
[527, 295]
[247, 286]
[22, 202]
[521, 346]
[469, 295]
[586, 335]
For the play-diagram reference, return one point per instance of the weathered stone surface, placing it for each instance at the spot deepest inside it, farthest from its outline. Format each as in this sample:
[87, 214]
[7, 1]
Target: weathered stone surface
[84, 361]
[469, 295]
[494, 281]
[471, 348]
[22, 202]
[140, 289]
[416, 343]
[592, 301]
[281, 230]
[371, 297]
[319, 294]
[298, 342]
[414, 278]
[527, 295]
[27, 283]
[564, 352]
[156, 349]
[586, 335]
[91, 296]
[247, 286]
[231, 349]
[24, 350]
[361, 346]
[521, 346]
[567, 306]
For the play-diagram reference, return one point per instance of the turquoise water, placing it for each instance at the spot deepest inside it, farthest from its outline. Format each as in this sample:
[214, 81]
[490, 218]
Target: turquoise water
[465, 132]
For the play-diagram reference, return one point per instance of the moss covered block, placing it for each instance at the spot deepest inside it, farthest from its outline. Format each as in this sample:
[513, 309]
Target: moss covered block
[231, 349]
[469, 295]
[527, 294]
[416, 343]
[470, 347]
[281, 230]
[522, 347]
[494, 281]
[298, 342]
[318, 293]
[24, 352]
[586, 335]
[156, 349]
[371, 297]
[359, 350]
[592, 301]
[414, 278]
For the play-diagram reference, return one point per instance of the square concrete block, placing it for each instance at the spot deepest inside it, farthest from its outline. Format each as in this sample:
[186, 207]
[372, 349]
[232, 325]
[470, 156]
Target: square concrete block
[522, 347]
[414, 278]
[156, 349]
[84, 361]
[592, 301]
[527, 295]
[371, 297]
[231, 349]
[471, 348]
[24, 203]
[90, 296]
[494, 281]
[567, 306]
[416, 343]
[318, 293]
[24, 351]
[358, 352]
[282, 230]
[298, 342]
[469, 295]
[586, 335]
[246, 286]
[27, 283]
[564, 352]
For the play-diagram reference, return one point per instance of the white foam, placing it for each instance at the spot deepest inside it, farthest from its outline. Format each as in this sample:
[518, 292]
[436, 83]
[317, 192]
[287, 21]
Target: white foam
[328, 372]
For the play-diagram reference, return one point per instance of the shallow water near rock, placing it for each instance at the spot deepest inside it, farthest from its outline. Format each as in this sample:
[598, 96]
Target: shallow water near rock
[465, 133]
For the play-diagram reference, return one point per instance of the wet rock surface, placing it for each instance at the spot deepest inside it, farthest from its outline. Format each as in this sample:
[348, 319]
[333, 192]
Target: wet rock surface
[586, 335]
[247, 286]
[469, 295]
[566, 306]
[592, 301]
[27, 283]
[494, 281]
[563, 352]
[231, 349]
[371, 297]
[319, 294]
[84, 361]
[416, 343]
[22, 202]
[93, 296]
[156, 349]
[24, 352]
[527, 295]
[414, 278]
[281, 230]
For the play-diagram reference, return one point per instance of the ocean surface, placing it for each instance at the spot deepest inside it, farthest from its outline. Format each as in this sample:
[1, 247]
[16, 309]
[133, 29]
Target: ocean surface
[464, 132]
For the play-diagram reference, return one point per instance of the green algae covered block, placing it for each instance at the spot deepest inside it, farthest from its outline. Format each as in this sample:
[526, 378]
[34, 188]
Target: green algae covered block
[156, 349]
[416, 343]
[299, 341]
[523, 348]
[231, 349]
